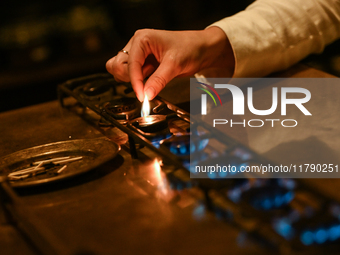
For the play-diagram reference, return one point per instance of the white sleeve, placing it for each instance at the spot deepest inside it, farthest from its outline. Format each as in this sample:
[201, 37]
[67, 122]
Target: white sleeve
[271, 35]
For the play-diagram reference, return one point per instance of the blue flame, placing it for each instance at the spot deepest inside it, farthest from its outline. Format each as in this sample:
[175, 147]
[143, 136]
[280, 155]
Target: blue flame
[320, 235]
[284, 228]
[307, 237]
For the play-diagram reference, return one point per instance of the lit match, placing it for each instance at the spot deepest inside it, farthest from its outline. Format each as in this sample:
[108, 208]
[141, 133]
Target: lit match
[145, 107]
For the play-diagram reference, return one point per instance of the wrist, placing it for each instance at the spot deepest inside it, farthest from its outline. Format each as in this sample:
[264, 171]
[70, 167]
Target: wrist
[218, 50]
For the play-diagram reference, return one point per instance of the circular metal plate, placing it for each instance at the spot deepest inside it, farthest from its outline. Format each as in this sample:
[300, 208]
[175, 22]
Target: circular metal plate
[150, 120]
[93, 152]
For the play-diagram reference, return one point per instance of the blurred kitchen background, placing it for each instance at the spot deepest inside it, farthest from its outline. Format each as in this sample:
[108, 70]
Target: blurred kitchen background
[44, 43]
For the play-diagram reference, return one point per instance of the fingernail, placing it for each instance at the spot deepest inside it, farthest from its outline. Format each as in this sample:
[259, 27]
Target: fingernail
[150, 92]
[140, 99]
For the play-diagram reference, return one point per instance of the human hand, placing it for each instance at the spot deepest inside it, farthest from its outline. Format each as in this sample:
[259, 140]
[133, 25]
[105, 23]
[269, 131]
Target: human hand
[168, 54]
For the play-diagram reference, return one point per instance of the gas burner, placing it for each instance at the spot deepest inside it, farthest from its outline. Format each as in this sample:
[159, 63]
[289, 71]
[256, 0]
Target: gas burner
[178, 145]
[268, 197]
[123, 109]
[320, 234]
[313, 230]
[152, 127]
[96, 91]
[151, 124]
[287, 214]
[183, 145]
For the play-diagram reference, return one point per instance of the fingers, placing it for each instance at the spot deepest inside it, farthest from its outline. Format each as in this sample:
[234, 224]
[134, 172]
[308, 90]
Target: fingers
[157, 81]
[149, 66]
[117, 66]
[145, 49]
[136, 76]
[109, 65]
[138, 54]
[148, 69]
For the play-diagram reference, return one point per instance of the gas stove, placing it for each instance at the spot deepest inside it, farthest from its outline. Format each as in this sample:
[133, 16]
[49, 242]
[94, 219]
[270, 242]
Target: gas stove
[285, 215]
[143, 200]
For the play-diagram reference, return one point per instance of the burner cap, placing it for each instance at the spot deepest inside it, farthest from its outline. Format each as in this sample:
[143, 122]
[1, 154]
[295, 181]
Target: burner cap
[99, 91]
[121, 105]
[123, 109]
[150, 120]
[91, 89]
[153, 127]
[151, 124]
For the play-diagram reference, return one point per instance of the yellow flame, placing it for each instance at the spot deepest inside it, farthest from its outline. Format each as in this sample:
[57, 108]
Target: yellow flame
[145, 107]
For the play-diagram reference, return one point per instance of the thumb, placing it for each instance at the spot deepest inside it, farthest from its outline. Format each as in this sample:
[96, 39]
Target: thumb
[157, 81]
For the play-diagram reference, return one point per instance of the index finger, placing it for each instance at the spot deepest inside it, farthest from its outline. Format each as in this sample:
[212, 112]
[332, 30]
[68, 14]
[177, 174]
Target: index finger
[137, 56]
[136, 78]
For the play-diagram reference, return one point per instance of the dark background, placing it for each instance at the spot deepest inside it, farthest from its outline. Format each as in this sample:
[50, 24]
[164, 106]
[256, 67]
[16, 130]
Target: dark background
[44, 43]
